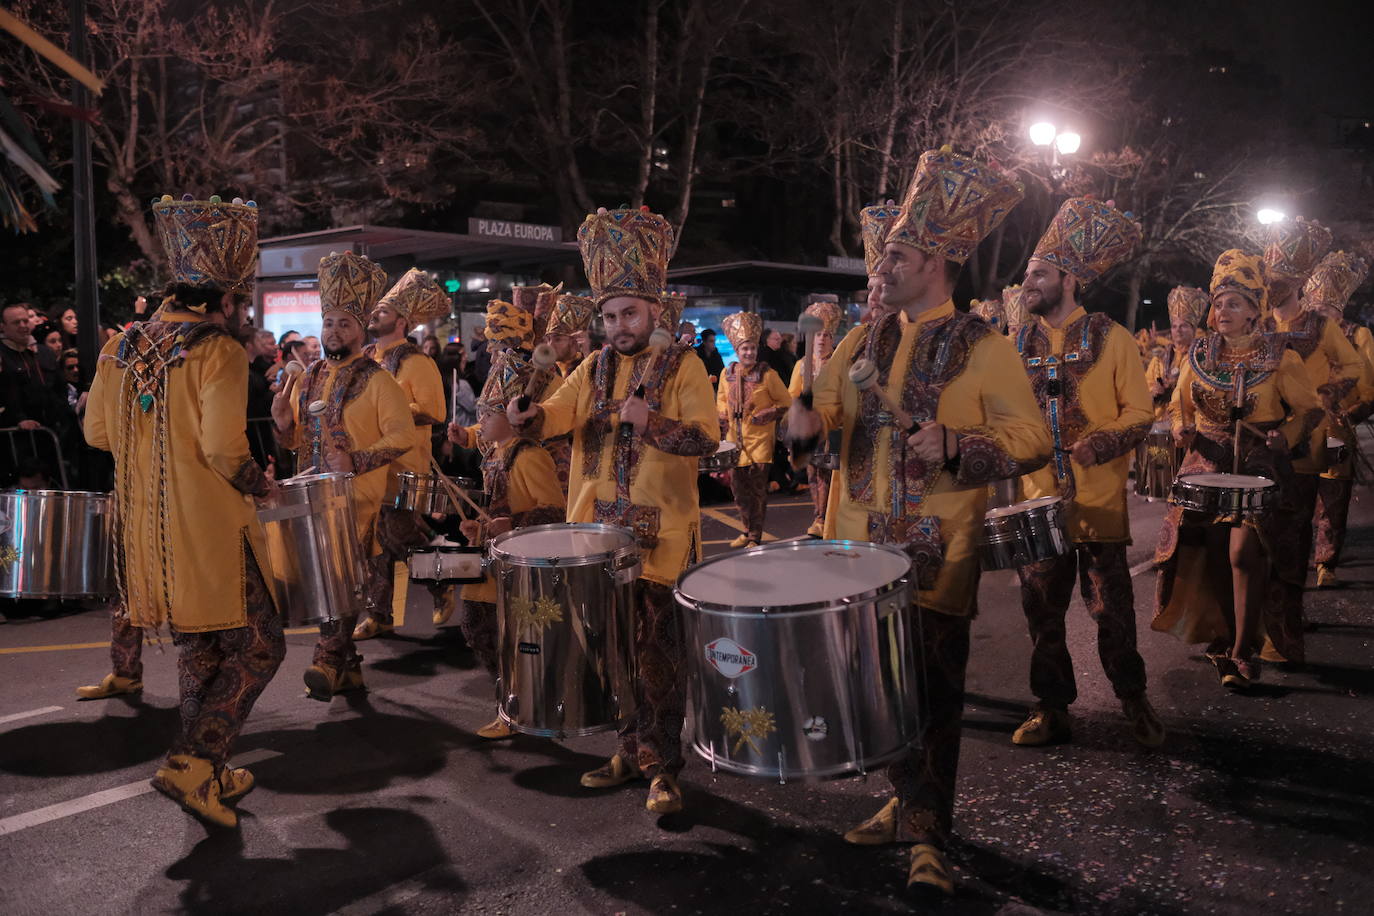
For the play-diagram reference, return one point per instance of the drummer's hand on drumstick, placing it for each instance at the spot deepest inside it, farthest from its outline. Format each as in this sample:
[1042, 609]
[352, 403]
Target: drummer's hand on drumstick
[472, 530]
[458, 434]
[518, 417]
[1276, 441]
[1082, 454]
[635, 411]
[499, 525]
[933, 443]
[765, 416]
[1184, 437]
[338, 460]
[282, 417]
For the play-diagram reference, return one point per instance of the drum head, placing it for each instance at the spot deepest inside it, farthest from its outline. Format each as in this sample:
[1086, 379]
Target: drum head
[1017, 508]
[780, 576]
[305, 480]
[1229, 481]
[541, 544]
[726, 446]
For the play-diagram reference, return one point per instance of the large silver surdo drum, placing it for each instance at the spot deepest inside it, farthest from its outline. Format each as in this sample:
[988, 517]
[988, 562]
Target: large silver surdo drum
[56, 544]
[312, 546]
[799, 656]
[566, 614]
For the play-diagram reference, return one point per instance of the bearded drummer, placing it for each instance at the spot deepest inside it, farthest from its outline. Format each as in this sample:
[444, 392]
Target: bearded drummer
[346, 414]
[1216, 570]
[641, 419]
[827, 310]
[415, 300]
[946, 419]
[749, 402]
[1294, 249]
[1187, 310]
[168, 402]
[1087, 376]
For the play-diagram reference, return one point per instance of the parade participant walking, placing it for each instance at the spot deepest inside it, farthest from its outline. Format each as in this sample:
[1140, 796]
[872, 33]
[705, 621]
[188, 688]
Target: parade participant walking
[1187, 310]
[923, 485]
[168, 402]
[1215, 570]
[635, 465]
[570, 317]
[1087, 376]
[346, 414]
[822, 346]
[749, 402]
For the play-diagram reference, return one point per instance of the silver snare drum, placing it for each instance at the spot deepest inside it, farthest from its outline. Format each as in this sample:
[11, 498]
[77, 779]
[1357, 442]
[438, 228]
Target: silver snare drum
[445, 564]
[312, 547]
[1156, 463]
[56, 544]
[1230, 495]
[414, 492]
[826, 461]
[1024, 533]
[566, 598]
[725, 458]
[800, 658]
[1337, 452]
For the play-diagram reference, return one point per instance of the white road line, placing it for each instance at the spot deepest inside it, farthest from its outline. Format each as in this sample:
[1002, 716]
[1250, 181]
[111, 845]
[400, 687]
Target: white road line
[1139, 568]
[38, 816]
[16, 716]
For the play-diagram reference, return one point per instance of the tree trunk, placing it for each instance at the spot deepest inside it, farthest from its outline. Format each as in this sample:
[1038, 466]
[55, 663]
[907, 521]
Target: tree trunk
[648, 99]
[688, 158]
[133, 215]
[1133, 285]
[894, 102]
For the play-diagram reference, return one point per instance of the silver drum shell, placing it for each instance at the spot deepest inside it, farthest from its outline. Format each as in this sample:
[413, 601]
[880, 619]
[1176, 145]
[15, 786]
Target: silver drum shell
[826, 461]
[1238, 502]
[723, 460]
[1011, 540]
[58, 544]
[576, 676]
[838, 677]
[312, 547]
[409, 491]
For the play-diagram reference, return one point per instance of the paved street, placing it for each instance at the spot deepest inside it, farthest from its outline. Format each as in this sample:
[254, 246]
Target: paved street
[387, 803]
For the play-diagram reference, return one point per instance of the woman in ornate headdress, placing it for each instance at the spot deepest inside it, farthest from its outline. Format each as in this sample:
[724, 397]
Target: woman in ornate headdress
[822, 346]
[1187, 311]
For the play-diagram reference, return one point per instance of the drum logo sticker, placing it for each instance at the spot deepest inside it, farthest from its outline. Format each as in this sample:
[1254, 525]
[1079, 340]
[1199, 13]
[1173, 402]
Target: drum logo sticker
[730, 658]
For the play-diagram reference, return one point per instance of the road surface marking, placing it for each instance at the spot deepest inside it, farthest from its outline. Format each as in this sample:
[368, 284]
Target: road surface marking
[725, 519]
[1139, 568]
[38, 816]
[15, 716]
[73, 645]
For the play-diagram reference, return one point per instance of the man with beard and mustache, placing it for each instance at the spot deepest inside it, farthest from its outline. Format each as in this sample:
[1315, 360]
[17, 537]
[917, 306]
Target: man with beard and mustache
[640, 421]
[364, 428]
[1086, 373]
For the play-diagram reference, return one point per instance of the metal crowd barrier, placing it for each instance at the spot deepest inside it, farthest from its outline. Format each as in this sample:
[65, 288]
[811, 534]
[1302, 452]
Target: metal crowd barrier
[12, 433]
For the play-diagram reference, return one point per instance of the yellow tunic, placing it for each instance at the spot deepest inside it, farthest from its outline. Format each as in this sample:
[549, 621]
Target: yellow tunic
[659, 491]
[193, 576]
[368, 415]
[419, 379]
[1287, 396]
[1356, 405]
[1333, 368]
[977, 395]
[755, 440]
[1103, 401]
[1160, 378]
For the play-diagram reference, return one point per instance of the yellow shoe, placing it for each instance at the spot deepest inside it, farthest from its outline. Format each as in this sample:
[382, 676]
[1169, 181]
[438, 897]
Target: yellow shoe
[1326, 577]
[616, 771]
[111, 685]
[929, 872]
[817, 529]
[1044, 725]
[879, 829]
[446, 606]
[497, 730]
[323, 681]
[1145, 724]
[371, 627]
[234, 782]
[740, 541]
[665, 795]
[191, 782]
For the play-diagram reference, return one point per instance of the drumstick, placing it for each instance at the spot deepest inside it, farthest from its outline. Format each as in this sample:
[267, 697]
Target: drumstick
[453, 399]
[543, 359]
[659, 341]
[864, 375]
[455, 493]
[1239, 406]
[316, 409]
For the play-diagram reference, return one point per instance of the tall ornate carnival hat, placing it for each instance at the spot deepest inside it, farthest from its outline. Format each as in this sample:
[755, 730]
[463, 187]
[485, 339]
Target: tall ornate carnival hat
[874, 224]
[350, 283]
[510, 373]
[954, 202]
[570, 314]
[510, 326]
[743, 328]
[1334, 281]
[1087, 238]
[417, 298]
[1188, 304]
[539, 301]
[625, 253]
[1014, 308]
[991, 311]
[826, 307]
[1293, 249]
[1238, 272]
[209, 242]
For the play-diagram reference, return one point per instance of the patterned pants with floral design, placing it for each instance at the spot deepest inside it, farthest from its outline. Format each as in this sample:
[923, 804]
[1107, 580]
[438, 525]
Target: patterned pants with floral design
[126, 645]
[477, 620]
[1333, 508]
[1105, 583]
[223, 672]
[820, 490]
[653, 736]
[398, 531]
[924, 779]
[751, 496]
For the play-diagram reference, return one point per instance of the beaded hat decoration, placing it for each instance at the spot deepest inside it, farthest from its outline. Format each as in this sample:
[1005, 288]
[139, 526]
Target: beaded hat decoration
[954, 202]
[509, 325]
[827, 309]
[990, 310]
[209, 242]
[1087, 238]
[538, 301]
[509, 374]
[1238, 272]
[1334, 281]
[743, 328]
[350, 283]
[1188, 304]
[1293, 248]
[417, 298]
[625, 253]
[570, 314]
[674, 304]
[874, 224]
[1014, 308]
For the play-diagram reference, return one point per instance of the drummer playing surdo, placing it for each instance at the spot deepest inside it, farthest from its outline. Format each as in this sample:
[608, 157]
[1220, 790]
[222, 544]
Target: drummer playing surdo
[822, 346]
[925, 490]
[168, 402]
[1294, 249]
[749, 402]
[635, 465]
[416, 299]
[1215, 570]
[1086, 373]
[365, 427]
[1187, 310]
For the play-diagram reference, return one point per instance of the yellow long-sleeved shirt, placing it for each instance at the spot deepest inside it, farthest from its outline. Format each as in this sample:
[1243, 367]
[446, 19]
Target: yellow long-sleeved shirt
[1356, 405]
[1088, 379]
[655, 492]
[967, 388]
[762, 389]
[1161, 375]
[1332, 366]
[522, 483]
[419, 379]
[1286, 397]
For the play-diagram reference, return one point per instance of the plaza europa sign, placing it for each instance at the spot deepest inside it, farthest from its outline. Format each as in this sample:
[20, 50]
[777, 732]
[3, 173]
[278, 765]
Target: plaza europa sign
[520, 232]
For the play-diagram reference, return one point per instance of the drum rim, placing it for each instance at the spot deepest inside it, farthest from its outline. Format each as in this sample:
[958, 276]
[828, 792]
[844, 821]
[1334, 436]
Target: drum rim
[902, 583]
[301, 480]
[1188, 480]
[47, 493]
[590, 559]
[1044, 503]
[750, 769]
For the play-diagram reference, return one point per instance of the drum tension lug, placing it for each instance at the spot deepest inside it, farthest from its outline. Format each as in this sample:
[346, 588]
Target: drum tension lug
[782, 767]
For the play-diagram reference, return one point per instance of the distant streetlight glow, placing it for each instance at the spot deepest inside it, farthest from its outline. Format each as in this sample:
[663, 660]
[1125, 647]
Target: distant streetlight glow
[1042, 133]
[1267, 216]
[1067, 143]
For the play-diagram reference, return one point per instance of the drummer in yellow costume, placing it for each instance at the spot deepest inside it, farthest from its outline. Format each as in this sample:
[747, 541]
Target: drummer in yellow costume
[361, 424]
[168, 402]
[1087, 376]
[991, 311]
[1187, 310]
[749, 402]
[1216, 571]
[569, 320]
[822, 348]
[635, 465]
[415, 300]
[926, 490]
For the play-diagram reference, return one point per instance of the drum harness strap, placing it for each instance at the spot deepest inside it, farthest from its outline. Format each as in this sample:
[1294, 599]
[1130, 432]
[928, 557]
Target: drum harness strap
[1054, 392]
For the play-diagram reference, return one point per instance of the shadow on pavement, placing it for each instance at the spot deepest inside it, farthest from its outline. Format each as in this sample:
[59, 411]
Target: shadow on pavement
[112, 742]
[426, 657]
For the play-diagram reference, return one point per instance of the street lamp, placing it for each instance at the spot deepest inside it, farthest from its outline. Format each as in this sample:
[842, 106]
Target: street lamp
[1267, 215]
[1055, 143]
[1042, 133]
[1067, 143]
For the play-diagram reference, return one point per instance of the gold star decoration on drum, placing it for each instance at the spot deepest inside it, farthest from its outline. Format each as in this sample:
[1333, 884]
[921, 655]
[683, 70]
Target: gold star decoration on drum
[538, 614]
[8, 557]
[749, 724]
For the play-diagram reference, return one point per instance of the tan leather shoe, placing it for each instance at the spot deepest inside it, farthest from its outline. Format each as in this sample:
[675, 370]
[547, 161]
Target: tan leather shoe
[1326, 577]
[928, 872]
[370, 628]
[1145, 724]
[444, 610]
[1044, 725]
[192, 783]
[111, 685]
[320, 681]
[497, 730]
[616, 771]
[234, 782]
[879, 829]
[740, 541]
[817, 529]
[665, 795]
